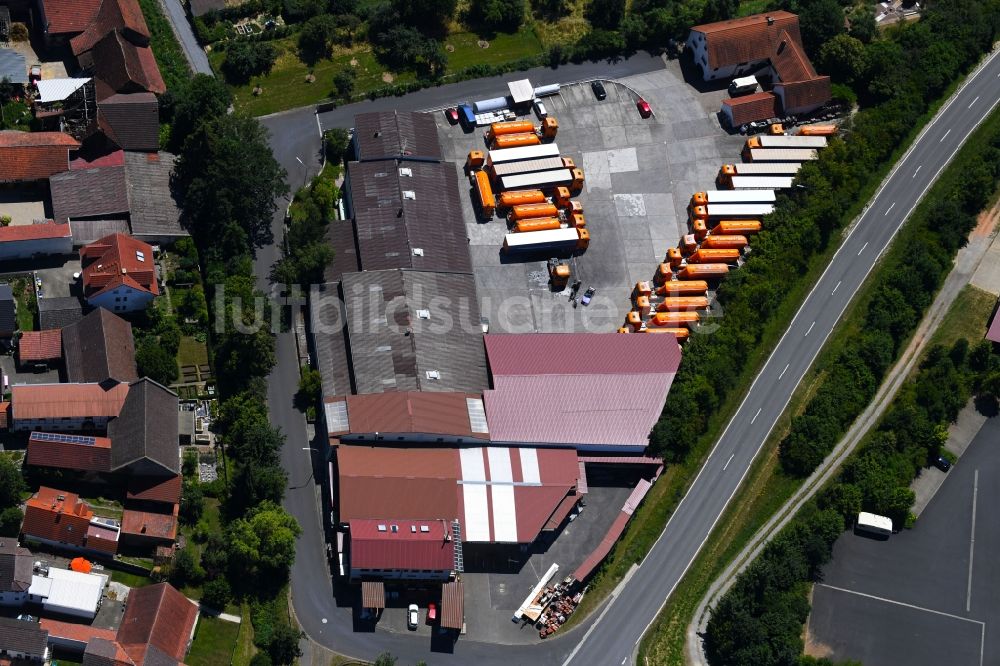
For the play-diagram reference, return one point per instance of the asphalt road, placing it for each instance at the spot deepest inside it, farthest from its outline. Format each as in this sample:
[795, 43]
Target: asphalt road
[185, 36]
[611, 638]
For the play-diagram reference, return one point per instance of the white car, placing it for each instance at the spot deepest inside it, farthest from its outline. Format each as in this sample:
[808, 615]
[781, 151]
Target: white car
[412, 616]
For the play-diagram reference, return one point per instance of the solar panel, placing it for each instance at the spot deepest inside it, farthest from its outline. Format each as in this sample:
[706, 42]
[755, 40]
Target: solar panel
[64, 439]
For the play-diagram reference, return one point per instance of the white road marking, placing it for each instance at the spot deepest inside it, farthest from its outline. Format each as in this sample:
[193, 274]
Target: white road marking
[728, 461]
[973, 102]
[784, 371]
[889, 209]
[972, 540]
[624, 660]
[299, 160]
[945, 135]
[756, 415]
[862, 249]
[835, 288]
[810, 329]
[900, 603]
[917, 171]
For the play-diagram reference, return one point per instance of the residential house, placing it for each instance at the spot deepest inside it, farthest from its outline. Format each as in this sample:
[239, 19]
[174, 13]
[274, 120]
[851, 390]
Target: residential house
[99, 347]
[65, 407]
[8, 311]
[158, 625]
[33, 156]
[24, 641]
[36, 348]
[61, 519]
[27, 241]
[119, 273]
[62, 19]
[144, 436]
[15, 572]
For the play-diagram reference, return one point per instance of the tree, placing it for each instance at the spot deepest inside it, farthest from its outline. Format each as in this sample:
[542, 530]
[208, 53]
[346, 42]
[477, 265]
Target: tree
[216, 593]
[504, 15]
[605, 14]
[203, 97]
[315, 36]
[283, 648]
[296, 11]
[310, 387]
[863, 25]
[264, 542]
[261, 659]
[11, 483]
[153, 361]
[843, 58]
[214, 555]
[819, 21]
[192, 504]
[248, 59]
[185, 569]
[385, 659]
[228, 180]
[10, 521]
[343, 83]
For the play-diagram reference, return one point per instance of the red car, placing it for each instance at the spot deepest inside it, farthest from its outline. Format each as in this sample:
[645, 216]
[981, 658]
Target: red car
[431, 613]
[644, 109]
[452, 115]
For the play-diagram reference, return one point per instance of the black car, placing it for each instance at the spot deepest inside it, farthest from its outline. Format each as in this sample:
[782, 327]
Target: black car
[599, 91]
[942, 463]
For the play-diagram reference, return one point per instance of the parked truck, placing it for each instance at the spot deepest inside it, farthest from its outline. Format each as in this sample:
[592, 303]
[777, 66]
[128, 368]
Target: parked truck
[537, 224]
[484, 192]
[761, 182]
[818, 130]
[572, 178]
[702, 271]
[515, 140]
[780, 154]
[528, 166]
[516, 197]
[714, 256]
[678, 303]
[682, 288]
[524, 211]
[785, 141]
[735, 227]
[552, 240]
[522, 153]
[546, 130]
[734, 242]
[727, 171]
[673, 319]
[732, 197]
[731, 211]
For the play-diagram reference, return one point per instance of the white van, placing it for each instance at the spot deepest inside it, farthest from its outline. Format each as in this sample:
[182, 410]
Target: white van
[745, 85]
[540, 109]
[874, 524]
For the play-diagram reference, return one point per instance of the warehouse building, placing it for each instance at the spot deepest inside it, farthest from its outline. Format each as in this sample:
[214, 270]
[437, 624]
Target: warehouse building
[407, 416]
[402, 135]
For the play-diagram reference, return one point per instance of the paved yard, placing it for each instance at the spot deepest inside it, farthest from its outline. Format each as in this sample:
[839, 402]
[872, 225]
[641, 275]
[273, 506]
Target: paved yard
[926, 596]
[639, 176]
[24, 206]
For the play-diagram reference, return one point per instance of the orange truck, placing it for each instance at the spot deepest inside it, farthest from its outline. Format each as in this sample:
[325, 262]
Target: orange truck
[524, 211]
[736, 227]
[484, 192]
[682, 334]
[701, 256]
[673, 319]
[721, 242]
[818, 130]
[515, 140]
[519, 197]
[682, 288]
[509, 127]
[674, 257]
[700, 229]
[702, 271]
[537, 224]
[682, 303]
[663, 274]
[561, 196]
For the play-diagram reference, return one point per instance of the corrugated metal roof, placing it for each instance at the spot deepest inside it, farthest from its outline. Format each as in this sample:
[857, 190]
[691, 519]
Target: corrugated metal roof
[586, 390]
[373, 594]
[407, 483]
[56, 90]
[402, 544]
[425, 230]
[394, 348]
[453, 605]
[410, 412]
[327, 320]
[340, 236]
[384, 135]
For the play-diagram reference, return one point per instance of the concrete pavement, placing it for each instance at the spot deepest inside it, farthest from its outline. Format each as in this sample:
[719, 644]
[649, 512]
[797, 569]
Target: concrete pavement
[195, 55]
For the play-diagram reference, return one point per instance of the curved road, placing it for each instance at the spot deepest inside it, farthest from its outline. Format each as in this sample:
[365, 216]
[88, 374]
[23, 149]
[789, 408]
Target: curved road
[611, 638]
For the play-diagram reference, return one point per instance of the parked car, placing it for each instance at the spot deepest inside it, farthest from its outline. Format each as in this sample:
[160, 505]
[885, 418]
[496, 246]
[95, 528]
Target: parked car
[599, 92]
[588, 295]
[452, 115]
[431, 613]
[412, 616]
[540, 110]
[644, 109]
[942, 463]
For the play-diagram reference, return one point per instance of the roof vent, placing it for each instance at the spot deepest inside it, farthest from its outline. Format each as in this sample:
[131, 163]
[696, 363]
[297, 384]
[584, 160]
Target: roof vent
[377, 134]
[394, 528]
[424, 314]
[770, 20]
[406, 171]
[433, 374]
[413, 528]
[381, 528]
[61, 498]
[409, 194]
[140, 255]
[418, 252]
[425, 529]
[123, 270]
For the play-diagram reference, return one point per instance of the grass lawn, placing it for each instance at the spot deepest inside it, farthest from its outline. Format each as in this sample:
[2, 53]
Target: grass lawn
[191, 352]
[129, 579]
[27, 303]
[214, 642]
[245, 648]
[502, 48]
[967, 318]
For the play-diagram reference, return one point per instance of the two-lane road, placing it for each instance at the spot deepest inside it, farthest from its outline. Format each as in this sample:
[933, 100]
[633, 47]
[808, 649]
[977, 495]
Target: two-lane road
[613, 639]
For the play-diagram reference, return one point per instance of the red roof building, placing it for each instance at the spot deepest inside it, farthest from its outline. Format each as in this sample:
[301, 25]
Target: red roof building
[411, 416]
[119, 273]
[154, 489]
[410, 549]
[145, 528]
[31, 156]
[62, 407]
[741, 110]
[67, 17]
[116, 45]
[157, 618]
[76, 452]
[26, 241]
[592, 391]
[40, 346]
[57, 517]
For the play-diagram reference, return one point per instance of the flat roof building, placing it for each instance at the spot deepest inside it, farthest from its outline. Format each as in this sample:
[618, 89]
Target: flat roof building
[68, 592]
[407, 549]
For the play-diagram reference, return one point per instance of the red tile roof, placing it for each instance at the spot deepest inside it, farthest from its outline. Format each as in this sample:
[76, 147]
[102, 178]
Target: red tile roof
[147, 525]
[790, 61]
[113, 261]
[759, 106]
[160, 616]
[65, 520]
[126, 67]
[587, 390]
[25, 232]
[747, 39]
[444, 413]
[406, 547]
[53, 401]
[40, 345]
[28, 156]
[113, 15]
[80, 633]
[94, 457]
[102, 538]
[69, 16]
[378, 482]
[114, 158]
[803, 94]
[155, 489]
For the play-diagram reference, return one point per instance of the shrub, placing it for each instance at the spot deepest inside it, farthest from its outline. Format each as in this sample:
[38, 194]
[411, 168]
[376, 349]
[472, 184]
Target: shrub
[216, 593]
[246, 59]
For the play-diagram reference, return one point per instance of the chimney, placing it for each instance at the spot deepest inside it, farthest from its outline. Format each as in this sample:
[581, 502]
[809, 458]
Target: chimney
[143, 528]
[770, 20]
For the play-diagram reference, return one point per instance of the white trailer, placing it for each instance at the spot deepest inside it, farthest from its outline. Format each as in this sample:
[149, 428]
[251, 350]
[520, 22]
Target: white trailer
[535, 152]
[874, 523]
[731, 196]
[565, 239]
[743, 86]
[790, 141]
[765, 168]
[783, 154]
[737, 211]
[761, 182]
[527, 166]
[536, 179]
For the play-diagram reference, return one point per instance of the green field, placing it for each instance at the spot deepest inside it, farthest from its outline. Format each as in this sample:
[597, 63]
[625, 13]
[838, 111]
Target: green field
[192, 352]
[130, 579]
[214, 642]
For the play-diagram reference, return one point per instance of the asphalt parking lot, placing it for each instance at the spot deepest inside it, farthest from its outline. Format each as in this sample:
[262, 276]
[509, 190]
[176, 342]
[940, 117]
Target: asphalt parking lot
[639, 176]
[926, 596]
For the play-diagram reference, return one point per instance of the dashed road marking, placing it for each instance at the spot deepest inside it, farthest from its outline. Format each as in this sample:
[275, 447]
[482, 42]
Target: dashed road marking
[917, 171]
[756, 415]
[973, 102]
[810, 329]
[728, 461]
[784, 371]
[945, 135]
[862, 249]
[835, 288]
[889, 209]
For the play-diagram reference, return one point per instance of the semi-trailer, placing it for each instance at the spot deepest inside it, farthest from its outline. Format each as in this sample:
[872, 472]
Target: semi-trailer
[735, 227]
[524, 211]
[555, 240]
[685, 288]
[515, 197]
[714, 256]
[573, 178]
[680, 303]
[729, 211]
[484, 191]
[732, 197]
[682, 334]
[786, 141]
[673, 318]
[780, 154]
[702, 271]
[548, 128]
[527, 166]
[522, 153]
[734, 242]
[761, 182]
[537, 224]
[818, 130]
[515, 140]
[727, 171]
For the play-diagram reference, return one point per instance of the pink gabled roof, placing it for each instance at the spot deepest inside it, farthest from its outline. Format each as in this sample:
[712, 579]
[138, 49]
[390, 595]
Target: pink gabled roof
[585, 390]
[408, 547]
